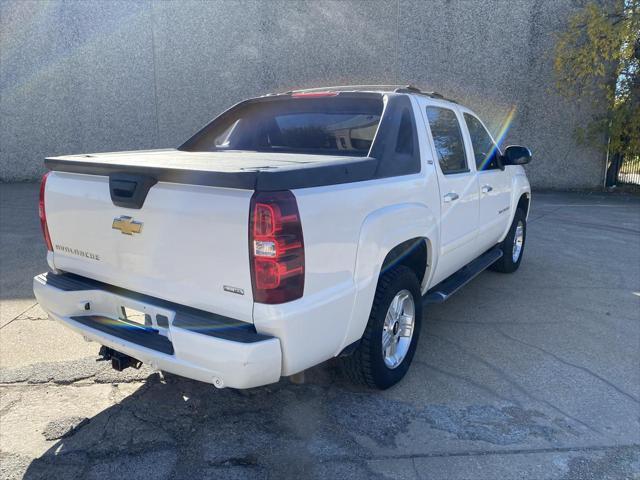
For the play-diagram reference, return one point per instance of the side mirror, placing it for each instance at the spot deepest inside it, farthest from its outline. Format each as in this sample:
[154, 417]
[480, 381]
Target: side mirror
[516, 155]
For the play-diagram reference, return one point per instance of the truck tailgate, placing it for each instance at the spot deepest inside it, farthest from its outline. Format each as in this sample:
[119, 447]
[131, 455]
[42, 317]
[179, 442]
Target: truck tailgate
[191, 247]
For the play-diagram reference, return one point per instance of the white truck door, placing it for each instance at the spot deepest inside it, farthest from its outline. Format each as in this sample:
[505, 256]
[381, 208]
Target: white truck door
[458, 190]
[494, 184]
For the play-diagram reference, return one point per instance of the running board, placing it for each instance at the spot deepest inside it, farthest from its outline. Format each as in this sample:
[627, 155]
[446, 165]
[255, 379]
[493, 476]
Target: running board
[455, 282]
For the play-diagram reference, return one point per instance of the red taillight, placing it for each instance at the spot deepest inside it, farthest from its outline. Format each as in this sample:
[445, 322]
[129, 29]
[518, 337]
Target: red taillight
[276, 248]
[43, 213]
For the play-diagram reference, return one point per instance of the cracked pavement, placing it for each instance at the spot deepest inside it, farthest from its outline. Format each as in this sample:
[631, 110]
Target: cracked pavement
[534, 375]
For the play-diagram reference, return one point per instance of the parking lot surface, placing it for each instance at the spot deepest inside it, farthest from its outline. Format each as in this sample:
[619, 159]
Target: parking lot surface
[534, 375]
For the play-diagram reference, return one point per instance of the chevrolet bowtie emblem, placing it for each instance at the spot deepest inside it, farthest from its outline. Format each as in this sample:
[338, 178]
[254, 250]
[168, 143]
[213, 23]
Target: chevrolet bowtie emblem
[126, 225]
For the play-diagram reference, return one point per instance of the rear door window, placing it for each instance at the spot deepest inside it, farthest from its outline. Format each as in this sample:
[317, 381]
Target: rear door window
[326, 125]
[448, 140]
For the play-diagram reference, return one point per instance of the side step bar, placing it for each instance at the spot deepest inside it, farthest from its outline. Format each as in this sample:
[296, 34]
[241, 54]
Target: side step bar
[455, 282]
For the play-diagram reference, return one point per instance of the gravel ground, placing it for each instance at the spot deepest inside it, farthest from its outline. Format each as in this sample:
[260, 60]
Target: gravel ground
[527, 376]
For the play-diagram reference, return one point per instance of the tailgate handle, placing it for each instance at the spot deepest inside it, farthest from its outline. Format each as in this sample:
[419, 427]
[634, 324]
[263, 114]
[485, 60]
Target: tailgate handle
[124, 188]
[130, 190]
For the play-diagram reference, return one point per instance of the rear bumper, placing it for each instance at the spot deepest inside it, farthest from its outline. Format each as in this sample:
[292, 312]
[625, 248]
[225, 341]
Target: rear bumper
[187, 342]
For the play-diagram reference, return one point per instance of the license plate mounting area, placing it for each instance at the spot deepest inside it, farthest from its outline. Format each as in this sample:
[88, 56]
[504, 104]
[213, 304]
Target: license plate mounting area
[135, 317]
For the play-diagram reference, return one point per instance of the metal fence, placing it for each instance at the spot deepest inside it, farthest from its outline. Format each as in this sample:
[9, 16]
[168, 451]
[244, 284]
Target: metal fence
[623, 171]
[629, 171]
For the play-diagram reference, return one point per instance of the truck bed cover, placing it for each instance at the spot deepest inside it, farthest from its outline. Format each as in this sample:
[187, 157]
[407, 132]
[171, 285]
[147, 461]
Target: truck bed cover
[228, 169]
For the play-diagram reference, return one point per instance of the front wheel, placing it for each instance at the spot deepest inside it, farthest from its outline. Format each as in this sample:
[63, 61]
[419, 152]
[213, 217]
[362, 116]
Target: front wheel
[513, 245]
[391, 336]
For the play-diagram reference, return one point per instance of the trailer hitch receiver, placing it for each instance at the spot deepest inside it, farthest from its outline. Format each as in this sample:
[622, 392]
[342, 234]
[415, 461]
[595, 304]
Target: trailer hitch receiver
[119, 361]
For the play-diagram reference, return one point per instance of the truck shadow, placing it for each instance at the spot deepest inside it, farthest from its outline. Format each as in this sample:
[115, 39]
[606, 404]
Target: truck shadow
[174, 427]
[178, 428]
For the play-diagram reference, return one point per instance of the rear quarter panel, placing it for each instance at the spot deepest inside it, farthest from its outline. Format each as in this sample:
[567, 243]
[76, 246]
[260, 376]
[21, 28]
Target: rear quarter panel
[338, 237]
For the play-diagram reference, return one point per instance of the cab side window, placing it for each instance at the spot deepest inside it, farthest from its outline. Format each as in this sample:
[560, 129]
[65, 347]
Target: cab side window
[448, 141]
[484, 149]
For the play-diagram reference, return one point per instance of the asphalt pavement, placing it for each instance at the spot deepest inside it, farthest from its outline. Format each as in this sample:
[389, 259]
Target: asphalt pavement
[534, 375]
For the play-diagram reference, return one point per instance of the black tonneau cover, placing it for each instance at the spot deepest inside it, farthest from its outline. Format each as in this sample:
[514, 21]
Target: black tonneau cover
[230, 169]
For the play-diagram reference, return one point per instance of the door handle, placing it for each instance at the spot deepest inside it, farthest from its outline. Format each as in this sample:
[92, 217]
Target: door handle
[486, 188]
[450, 197]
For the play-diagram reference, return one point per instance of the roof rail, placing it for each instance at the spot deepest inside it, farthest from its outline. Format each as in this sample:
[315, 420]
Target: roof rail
[416, 90]
[346, 88]
[384, 88]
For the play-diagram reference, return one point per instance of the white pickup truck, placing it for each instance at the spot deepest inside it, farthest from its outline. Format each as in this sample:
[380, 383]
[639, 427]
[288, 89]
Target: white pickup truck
[292, 229]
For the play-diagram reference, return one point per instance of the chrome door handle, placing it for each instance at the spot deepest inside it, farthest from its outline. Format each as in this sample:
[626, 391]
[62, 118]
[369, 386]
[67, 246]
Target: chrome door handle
[487, 188]
[450, 197]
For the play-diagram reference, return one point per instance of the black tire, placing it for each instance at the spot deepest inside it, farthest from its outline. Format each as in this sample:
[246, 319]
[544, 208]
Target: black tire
[506, 264]
[366, 365]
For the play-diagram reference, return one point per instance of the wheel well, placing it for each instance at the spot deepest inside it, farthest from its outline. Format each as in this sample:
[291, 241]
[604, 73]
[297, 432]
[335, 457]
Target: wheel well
[523, 203]
[412, 254]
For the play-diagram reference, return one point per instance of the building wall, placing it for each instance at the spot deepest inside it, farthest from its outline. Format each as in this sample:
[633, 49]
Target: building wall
[102, 75]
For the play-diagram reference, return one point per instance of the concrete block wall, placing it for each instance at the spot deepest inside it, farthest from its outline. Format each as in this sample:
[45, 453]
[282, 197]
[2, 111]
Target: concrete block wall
[103, 75]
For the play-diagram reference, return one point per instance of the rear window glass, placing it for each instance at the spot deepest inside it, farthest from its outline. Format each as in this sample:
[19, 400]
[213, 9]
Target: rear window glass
[325, 125]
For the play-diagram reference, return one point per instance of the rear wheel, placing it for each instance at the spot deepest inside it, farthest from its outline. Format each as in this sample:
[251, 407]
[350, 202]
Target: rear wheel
[391, 336]
[513, 245]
